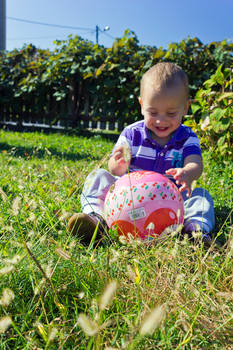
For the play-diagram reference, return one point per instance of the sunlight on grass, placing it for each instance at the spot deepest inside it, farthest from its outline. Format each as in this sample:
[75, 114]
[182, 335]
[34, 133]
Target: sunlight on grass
[56, 294]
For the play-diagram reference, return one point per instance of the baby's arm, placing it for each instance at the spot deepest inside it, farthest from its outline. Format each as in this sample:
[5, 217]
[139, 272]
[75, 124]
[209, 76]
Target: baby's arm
[191, 171]
[118, 164]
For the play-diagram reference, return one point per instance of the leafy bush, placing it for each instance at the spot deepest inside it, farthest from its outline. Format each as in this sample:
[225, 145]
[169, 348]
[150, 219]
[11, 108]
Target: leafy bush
[198, 60]
[80, 78]
[213, 111]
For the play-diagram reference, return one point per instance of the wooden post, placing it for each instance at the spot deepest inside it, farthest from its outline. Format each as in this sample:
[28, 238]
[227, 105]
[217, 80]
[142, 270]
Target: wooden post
[2, 25]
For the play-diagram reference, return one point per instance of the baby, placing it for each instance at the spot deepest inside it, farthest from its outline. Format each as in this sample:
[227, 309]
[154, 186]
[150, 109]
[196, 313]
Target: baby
[158, 143]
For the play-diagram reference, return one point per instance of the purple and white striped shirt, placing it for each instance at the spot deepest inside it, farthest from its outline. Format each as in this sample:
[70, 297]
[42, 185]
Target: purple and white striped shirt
[147, 154]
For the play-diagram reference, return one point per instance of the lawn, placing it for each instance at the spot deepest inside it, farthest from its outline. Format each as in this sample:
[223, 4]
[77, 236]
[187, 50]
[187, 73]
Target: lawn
[57, 294]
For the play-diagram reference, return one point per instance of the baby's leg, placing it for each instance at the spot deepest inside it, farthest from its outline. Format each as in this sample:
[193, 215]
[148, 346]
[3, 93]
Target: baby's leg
[199, 208]
[95, 190]
[199, 215]
[92, 198]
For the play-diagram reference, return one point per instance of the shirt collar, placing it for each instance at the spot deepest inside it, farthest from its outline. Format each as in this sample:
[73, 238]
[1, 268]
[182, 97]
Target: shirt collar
[180, 134]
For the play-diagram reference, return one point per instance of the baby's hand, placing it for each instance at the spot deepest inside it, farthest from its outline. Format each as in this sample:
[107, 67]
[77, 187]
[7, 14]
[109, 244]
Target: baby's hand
[118, 155]
[182, 178]
[120, 160]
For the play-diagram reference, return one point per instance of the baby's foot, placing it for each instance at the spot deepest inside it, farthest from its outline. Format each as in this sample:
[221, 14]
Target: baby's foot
[84, 225]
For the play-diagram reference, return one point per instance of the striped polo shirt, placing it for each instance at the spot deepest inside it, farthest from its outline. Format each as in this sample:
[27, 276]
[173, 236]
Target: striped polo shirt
[147, 154]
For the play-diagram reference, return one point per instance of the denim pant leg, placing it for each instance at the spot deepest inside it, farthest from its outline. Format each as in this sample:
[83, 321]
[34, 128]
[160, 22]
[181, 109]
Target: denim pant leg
[94, 191]
[199, 207]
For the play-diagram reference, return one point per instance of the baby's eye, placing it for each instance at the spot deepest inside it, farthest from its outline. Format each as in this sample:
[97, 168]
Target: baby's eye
[171, 114]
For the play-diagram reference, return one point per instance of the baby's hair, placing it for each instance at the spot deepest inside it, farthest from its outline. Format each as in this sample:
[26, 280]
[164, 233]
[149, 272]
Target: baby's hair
[164, 75]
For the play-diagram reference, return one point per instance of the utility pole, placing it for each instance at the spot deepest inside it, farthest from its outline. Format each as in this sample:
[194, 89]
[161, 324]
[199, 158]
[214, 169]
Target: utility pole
[97, 34]
[2, 25]
[97, 30]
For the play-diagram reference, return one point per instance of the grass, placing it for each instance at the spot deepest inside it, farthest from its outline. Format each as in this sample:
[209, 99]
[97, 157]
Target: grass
[53, 290]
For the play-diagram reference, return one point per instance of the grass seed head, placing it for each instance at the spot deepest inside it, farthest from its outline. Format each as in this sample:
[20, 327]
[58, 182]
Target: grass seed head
[123, 240]
[15, 260]
[31, 218]
[131, 273]
[6, 269]
[230, 246]
[16, 206]
[197, 234]
[108, 295]
[7, 297]
[5, 323]
[115, 256]
[152, 321]
[174, 250]
[88, 326]
[3, 195]
[81, 295]
[65, 215]
[31, 203]
[52, 334]
[126, 152]
[48, 271]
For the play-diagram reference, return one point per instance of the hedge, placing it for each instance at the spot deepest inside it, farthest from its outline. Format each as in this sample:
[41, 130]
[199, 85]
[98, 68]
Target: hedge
[80, 79]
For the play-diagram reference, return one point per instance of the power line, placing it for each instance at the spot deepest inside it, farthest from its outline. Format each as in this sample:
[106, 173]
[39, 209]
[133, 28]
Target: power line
[90, 30]
[47, 24]
[109, 35]
[46, 37]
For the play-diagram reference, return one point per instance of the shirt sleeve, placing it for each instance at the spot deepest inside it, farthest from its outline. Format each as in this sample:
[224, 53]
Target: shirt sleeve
[192, 146]
[124, 139]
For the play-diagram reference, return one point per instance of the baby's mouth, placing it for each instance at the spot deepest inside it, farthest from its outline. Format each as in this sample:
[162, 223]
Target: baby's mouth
[159, 128]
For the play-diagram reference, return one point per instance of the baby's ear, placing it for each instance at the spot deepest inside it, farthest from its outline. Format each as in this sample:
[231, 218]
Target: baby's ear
[186, 107]
[140, 101]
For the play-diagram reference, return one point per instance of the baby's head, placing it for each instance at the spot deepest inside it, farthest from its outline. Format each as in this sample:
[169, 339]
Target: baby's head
[164, 76]
[164, 99]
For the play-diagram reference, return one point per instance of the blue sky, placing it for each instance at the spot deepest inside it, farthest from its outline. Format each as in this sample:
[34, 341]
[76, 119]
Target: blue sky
[155, 22]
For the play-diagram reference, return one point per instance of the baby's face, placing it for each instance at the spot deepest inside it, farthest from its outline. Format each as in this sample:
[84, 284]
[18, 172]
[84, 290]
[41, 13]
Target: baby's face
[163, 112]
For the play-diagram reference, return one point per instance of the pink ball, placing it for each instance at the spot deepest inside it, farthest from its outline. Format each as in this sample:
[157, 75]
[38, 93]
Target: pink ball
[144, 204]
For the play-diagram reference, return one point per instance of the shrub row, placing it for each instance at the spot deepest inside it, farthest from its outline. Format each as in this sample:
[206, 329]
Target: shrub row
[80, 78]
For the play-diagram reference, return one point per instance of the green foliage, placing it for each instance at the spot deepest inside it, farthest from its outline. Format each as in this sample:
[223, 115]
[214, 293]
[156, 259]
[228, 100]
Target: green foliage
[198, 60]
[82, 78]
[213, 111]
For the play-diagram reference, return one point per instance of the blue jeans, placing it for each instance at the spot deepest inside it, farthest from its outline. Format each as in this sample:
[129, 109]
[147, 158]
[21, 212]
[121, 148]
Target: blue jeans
[198, 207]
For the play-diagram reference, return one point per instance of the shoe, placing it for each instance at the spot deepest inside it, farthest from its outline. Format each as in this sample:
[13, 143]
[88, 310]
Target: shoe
[194, 229]
[207, 240]
[84, 225]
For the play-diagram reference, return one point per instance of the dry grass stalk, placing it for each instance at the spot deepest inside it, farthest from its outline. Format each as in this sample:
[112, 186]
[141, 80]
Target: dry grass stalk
[63, 254]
